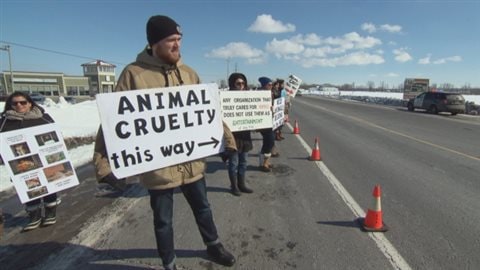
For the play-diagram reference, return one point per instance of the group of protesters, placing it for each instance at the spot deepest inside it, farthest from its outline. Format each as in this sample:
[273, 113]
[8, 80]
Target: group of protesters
[159, 65]
[237, 162]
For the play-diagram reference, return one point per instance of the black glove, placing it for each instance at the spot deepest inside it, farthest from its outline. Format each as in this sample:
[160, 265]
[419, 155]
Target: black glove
[118, 184]
[227, 154]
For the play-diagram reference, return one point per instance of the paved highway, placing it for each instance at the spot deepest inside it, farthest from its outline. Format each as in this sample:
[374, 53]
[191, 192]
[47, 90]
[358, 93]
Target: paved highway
[427, 165]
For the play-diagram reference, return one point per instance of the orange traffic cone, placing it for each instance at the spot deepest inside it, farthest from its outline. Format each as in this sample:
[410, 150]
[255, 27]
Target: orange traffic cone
[373, 221]
[315, 152]
[296, 130]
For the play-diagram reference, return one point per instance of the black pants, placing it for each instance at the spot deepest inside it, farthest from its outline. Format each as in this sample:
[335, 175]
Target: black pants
[268, 140]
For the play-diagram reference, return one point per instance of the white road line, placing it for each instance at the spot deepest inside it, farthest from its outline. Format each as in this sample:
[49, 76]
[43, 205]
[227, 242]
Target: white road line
[94, 229]
[390, 252]
[397, 132]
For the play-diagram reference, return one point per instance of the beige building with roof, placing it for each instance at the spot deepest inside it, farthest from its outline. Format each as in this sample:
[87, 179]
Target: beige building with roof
[98, 77]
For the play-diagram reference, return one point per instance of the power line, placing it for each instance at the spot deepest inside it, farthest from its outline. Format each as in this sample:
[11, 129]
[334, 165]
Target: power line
[61, 53]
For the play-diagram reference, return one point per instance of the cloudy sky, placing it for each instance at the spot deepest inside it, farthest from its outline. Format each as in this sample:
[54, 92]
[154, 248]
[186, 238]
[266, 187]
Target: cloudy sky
[319, 41]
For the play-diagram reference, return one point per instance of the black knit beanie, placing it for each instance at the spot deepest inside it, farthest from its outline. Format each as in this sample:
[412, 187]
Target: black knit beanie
[160, 27]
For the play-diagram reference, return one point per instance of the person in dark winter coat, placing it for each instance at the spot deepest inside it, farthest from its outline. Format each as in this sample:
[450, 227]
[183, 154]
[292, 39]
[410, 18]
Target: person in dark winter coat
[22, 112]
[159, 65]
[237, 163]
[1, 223]
[281, 93]
[268, 135]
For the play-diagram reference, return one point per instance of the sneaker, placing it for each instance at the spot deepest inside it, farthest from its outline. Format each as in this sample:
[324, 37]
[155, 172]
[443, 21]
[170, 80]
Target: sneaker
[50, 216]
[49, 221]
[35, 219]
[220, 255]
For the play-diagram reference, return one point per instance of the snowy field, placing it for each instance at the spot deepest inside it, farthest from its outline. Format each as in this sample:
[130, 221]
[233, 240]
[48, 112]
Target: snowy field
[75, 120]
[399, 96]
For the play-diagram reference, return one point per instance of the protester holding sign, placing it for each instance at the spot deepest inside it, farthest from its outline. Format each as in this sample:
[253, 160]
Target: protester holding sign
[237, 163]
[267, 134]
[22, 112]
[159, 65]
[283, 93]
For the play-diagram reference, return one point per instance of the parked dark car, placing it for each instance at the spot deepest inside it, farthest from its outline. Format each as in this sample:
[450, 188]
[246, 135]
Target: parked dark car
[70, 99]
[37, 97]
[435, 102]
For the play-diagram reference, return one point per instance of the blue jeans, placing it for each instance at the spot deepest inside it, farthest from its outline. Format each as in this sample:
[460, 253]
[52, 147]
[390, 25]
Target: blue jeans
[161, 202]
[237, 164]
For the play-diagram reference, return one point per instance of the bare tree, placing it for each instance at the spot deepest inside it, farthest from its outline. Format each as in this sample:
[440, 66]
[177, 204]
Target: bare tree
[370, 85]
[446, 86]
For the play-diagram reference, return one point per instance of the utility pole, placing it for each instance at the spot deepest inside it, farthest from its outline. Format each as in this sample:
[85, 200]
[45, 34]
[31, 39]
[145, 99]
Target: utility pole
[228, 68]
[7, 48]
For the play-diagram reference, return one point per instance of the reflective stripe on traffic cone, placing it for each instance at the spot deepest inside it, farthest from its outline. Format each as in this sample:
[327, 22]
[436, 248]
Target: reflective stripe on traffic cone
[373, 221]
[315, 152]
[296, 130]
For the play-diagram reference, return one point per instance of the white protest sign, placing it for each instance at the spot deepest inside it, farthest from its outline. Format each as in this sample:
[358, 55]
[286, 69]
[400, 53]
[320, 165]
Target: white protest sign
[154, 128]
[278, 112]
[37, 160]
[292, 84]
[246, 110]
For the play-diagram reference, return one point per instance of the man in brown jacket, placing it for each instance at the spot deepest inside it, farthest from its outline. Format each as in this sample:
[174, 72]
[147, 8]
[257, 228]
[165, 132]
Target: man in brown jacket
[159, 65]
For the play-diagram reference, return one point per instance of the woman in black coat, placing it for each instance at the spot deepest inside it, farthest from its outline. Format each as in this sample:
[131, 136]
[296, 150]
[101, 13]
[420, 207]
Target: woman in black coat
[237, 164]
[22, 112]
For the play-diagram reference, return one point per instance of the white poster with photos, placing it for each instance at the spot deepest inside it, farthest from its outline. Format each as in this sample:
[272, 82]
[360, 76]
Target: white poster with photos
[37, 161]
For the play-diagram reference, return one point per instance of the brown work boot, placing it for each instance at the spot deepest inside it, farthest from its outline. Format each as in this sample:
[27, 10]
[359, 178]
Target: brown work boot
[266, 166]
[277, 136]
[275, 153]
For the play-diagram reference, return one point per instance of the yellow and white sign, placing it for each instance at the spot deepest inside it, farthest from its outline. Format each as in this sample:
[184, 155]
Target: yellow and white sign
[246, 110]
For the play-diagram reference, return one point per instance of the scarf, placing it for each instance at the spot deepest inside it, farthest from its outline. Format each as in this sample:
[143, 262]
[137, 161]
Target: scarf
[34, 113]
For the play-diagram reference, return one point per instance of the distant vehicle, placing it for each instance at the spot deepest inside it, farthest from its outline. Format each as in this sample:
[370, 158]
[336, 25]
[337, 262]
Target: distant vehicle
[37, 97]
[412, 87]
[71, 100]
[330, 91]
[435, 102]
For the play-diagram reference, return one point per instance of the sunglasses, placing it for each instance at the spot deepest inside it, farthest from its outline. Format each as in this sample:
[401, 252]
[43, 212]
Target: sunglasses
[23, 103]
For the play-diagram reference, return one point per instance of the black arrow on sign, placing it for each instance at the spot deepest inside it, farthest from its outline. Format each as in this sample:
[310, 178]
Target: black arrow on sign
[213, 141]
